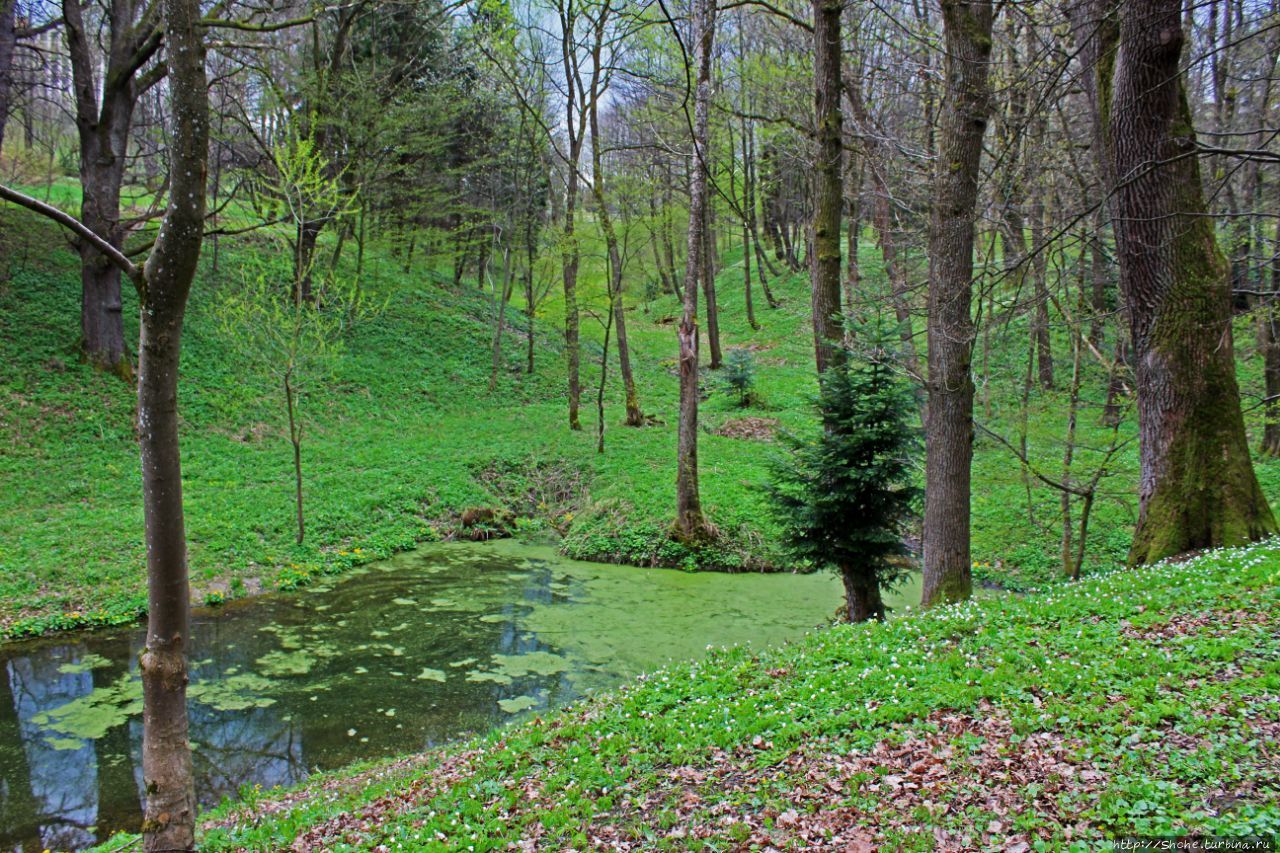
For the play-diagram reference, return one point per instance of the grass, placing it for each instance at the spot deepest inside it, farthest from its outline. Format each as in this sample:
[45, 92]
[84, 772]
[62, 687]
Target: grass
[404, 437]
[1133, 703]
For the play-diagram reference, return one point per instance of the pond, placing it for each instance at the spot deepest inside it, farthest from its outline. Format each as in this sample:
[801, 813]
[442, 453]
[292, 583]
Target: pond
[391, 658]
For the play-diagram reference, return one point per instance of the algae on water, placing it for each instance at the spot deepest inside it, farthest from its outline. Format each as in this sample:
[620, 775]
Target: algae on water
[517, 704]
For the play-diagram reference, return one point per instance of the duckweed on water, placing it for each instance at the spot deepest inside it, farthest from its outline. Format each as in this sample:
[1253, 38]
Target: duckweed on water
[237, 693]
[88, 662]
[517, 704]
[93, 715]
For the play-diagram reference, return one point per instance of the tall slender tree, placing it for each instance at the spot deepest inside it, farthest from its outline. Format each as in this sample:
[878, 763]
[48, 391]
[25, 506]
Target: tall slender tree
[690, 523]
[828, 184]
[163, 285]
[967, 26]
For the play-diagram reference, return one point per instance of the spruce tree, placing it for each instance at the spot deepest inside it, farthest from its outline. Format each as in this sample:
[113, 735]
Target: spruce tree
[845, 497]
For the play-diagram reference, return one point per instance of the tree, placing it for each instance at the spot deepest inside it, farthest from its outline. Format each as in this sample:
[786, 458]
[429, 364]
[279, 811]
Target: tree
[276, 327]
[690, 524]
[739, 375]
[599, 78]
[1197, 487]
[844, 498]
[828, 184]
[104, 115]
[163, 285]
[967, 26]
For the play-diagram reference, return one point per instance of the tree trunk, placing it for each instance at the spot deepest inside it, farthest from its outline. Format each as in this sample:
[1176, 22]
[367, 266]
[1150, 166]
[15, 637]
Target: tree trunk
[1099, 279]
[1039, 267]
[1069, 567]
[824, 264]
[104, 113]
[308, 233]
[570, 259]
[295, 440]
[169, 818]
[763, 268]
[101, 304]
[635, 417]
[949, 431]
[8, 42]
[862, 598]
[690, 524]
[532, 250]
[744, 127]
[709, 291]
[853, 206]
[668, 242]
[604, 376]
[502, 295]
[746, 278]
[1197, 487]
[1269, 343]
[660, 265]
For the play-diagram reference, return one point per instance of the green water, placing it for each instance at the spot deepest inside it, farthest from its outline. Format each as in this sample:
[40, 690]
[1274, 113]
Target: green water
[394, 657]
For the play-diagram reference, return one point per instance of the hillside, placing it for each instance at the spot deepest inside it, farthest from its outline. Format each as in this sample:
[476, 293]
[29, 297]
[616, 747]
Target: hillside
[404, 437]
[1142, 702]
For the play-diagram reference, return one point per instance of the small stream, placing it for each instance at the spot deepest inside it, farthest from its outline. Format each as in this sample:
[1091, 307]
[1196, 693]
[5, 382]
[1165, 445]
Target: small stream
[393, 657]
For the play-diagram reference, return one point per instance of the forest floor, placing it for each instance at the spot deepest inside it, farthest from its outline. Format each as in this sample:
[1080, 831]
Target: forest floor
[1134, 703]
[403, 436]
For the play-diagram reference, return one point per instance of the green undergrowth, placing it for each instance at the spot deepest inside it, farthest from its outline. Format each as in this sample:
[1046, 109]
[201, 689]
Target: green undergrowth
[1141, 702]
[405, 442]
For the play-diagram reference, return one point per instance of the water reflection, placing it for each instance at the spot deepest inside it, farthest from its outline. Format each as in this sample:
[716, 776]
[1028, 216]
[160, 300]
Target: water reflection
[407, 654]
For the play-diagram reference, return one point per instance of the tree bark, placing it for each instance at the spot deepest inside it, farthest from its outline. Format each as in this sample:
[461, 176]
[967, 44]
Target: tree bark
[169, 817]
[709, 291]
[690, 525]
[1197, 488]
[104, 114]
[824, 265]
[8, 42]
[1269, 343]
[862, 599]
[531, 249]
[570, 277]
[949, 431]
[308, 234]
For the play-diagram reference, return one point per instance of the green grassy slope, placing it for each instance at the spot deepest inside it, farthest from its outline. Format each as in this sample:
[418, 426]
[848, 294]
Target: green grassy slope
[1136, 703]
[405, 436]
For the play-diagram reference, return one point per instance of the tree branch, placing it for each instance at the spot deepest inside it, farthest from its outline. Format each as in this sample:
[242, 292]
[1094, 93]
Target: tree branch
[82, 231]
[248, 26]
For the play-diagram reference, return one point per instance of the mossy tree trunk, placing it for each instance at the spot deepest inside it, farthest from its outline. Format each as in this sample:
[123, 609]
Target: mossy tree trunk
[1197, 487]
